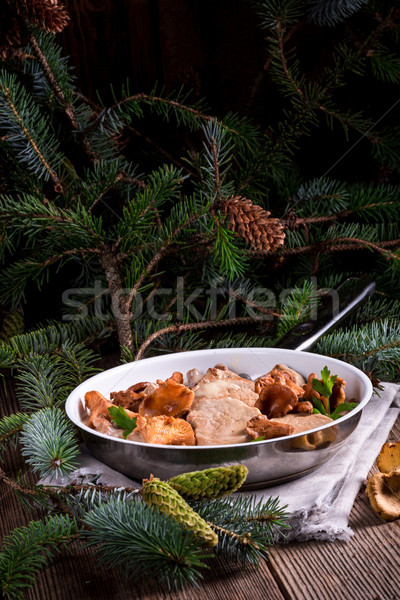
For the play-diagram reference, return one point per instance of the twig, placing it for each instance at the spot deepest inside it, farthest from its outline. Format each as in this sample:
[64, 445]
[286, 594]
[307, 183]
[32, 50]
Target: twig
[265, 311]
[179, 327]
[68, 108]
[216, 168]
[58, 188]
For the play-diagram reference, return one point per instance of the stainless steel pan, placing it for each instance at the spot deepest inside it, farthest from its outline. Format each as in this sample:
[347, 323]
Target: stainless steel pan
[270, 461]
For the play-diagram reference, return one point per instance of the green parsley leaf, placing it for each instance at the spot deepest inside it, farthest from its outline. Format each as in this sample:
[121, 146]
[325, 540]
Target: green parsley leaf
[325, 388]
[345, 406]
[321, 408]
[121, 418]
[259, 439]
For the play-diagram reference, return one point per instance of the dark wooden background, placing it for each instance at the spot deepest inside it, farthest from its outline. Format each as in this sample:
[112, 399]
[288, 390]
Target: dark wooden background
[214, 46]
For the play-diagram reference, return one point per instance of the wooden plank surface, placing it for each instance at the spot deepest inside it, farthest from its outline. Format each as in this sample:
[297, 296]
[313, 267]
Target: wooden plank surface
[365, 568]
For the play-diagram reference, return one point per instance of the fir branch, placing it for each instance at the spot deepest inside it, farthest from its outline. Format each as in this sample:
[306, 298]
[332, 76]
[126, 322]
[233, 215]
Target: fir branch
[28, 549]
[373, 347]
[10, 428]
[75, 498]
[49, 338]
[145, 543]
[21, 120]
[246, 527]
[60, 95]
[330, 12]
[48, 441]
[297, 306]
[46, 380]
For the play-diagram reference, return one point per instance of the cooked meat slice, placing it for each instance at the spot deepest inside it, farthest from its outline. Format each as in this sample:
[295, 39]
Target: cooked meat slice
[220, 421]
[276, 399]
[303, 421]
[220, 373]
[218, 390]
[303, 407]
[193, 377]
[169, 398]
[221, 383]
[261, 426]
[166, 430]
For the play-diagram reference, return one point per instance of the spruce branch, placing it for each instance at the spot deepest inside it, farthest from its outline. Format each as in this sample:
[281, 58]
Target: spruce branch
[373, 347]
[68, 106]
[246, 527]
[26, 130]
[10, 428]
[48, 441]
[145, 543]
[28, 549]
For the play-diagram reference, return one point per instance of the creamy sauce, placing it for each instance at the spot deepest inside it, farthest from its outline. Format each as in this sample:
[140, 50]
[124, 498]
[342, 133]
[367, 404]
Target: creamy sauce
[215, 389]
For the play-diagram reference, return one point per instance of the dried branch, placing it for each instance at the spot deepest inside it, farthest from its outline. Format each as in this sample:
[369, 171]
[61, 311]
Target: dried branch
[180, 327]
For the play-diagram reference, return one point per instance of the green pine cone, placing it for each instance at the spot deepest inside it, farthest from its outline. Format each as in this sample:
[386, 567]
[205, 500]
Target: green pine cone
[13, 324]
[210, 483]
[161, 495]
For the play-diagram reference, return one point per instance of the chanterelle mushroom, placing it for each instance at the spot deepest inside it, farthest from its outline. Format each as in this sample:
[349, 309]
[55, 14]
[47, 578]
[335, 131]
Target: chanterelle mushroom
[169, 398]
[389, 457]
[383, 491]
[276, 399]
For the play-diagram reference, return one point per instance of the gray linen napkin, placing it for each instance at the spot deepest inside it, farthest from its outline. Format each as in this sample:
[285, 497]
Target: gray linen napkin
[319, 503]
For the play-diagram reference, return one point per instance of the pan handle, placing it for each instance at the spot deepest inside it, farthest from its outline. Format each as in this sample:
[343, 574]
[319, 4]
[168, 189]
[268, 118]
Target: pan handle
[330, 313]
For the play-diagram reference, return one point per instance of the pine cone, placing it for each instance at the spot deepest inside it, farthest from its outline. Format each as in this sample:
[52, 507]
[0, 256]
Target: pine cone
[253, 223]
[161, 495]
[49, 15]
[13, 324]
[209, 483]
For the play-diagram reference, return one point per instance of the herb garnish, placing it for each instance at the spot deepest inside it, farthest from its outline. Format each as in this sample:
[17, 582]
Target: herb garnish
[325, 388]
[122, 419]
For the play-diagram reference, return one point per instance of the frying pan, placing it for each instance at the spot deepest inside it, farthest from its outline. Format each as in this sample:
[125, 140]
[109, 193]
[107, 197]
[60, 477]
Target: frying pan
[269, 461]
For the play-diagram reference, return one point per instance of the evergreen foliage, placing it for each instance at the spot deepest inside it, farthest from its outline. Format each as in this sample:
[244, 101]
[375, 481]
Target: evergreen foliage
[28, 549]
[133, 227]
[49, 443]
[246, 526]
[128, 535]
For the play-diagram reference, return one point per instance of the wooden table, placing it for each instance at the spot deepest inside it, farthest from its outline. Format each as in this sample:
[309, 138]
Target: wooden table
[365, 568]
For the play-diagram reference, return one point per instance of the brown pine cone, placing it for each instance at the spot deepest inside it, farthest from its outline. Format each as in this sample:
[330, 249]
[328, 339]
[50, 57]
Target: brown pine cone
[15, 16]
[50, 15]
[253, 223]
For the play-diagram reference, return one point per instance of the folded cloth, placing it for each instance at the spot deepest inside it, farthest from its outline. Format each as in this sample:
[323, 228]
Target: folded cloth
[319, 504]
